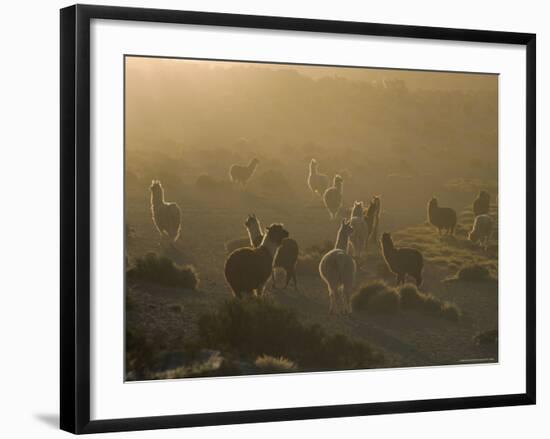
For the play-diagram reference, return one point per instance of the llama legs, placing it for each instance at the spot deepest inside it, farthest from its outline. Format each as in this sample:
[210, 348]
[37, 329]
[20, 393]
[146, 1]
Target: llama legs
[332, 292]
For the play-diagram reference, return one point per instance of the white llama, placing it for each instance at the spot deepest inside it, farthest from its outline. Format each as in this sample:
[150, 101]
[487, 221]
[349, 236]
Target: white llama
[358, 238]
[317, 183]
[337, 269]
[333, 196]
[166, 216]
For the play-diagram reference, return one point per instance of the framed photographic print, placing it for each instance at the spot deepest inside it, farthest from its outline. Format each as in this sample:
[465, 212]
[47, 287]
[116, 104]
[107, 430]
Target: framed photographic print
[268, 218]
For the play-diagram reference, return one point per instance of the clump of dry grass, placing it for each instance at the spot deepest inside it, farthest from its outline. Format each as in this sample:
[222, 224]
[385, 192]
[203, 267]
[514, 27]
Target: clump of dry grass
[269, 364]
[214, 365]
[379, 298]
[376, 297]
[412, 299]
[163, 271]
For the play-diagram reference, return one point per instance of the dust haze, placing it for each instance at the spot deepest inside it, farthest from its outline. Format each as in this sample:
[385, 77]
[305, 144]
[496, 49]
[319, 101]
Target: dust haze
[224, 142]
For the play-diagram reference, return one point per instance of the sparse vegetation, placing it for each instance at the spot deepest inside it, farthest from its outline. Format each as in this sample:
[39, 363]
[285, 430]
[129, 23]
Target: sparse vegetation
[251, 328]
[362, 124]
[269, 364]
[379, 298]
[214, 365]
[375, 297]
[163, 271]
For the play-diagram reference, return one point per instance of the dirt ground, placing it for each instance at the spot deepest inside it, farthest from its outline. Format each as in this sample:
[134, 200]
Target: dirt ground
[211, 219]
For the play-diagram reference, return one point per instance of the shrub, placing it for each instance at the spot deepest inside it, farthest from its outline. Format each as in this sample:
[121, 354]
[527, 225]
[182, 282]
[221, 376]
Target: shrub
[376, 297]
[412, 299]
[254, 327]
[379, 298]
[473, 273]
[162, 270]
[269, 364]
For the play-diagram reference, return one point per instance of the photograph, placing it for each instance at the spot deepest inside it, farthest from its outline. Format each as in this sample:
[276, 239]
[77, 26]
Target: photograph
[293, 218]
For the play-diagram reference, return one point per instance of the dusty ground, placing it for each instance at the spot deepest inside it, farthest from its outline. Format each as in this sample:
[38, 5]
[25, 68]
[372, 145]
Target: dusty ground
[209, 220]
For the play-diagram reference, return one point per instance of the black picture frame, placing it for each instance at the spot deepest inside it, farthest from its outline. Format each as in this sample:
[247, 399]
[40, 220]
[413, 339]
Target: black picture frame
[75, 217]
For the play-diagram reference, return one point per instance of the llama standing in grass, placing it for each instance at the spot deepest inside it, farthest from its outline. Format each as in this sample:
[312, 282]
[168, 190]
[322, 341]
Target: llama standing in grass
[254, 239]
[337, 269]
[372, 219]
[166, 216]
[402, 261]
[333, 196]
[286, 258]
[482, 203]
[444, 218]
[247, 269]
[481, 230]
[241, 174]
[317, 183]
[359, 236]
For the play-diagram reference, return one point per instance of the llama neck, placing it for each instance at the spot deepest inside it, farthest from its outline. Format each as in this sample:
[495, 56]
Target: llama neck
[269, 245]
[254, 231]
[157, 198]
[341, 241]
[431, 210]
[252, 165]
[388, 248]
[338, 187]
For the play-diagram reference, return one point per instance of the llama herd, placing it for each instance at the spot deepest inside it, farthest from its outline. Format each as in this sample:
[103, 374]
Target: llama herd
[251, 261]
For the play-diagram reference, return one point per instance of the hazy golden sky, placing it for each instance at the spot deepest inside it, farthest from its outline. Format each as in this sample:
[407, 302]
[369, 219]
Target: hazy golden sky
[415, 79]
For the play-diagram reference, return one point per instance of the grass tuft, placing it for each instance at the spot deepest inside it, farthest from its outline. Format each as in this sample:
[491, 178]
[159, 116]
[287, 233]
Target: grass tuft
[379, 298]
[376, 297]
[163, 271]
[269, 364]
